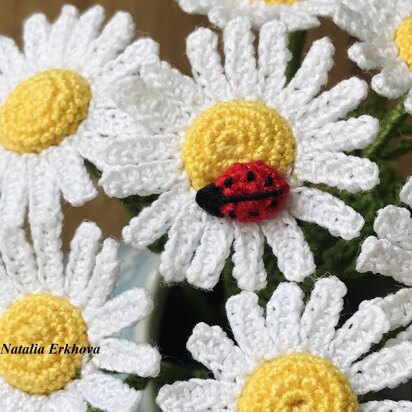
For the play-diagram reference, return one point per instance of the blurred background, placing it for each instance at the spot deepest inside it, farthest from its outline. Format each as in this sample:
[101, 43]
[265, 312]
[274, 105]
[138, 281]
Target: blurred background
[169, 26]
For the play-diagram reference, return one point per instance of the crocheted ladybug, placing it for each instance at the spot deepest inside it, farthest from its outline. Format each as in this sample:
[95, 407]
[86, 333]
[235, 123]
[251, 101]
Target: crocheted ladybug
[246, 192]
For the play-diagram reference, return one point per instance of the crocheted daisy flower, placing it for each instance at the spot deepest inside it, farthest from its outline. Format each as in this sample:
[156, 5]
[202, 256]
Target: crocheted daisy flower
[294, 358]
[227, 153]
[385, 31]
[389, 253]
[67, 312]
[296, 14]
[56, 110]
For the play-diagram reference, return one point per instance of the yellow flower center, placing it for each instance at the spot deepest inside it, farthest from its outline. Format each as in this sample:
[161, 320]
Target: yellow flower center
[41, 320]
[298, 382]
[403, 38]
[237, 131]
[41, 111]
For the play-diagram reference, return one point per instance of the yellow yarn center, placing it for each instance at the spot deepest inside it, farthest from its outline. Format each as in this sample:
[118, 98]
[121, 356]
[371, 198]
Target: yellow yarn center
[298, 382]
[236, 131]
[43, 320]
[41, 111]
[403, 38]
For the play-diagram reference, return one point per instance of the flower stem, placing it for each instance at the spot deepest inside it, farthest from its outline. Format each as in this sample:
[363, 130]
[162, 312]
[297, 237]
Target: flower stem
[296, 45]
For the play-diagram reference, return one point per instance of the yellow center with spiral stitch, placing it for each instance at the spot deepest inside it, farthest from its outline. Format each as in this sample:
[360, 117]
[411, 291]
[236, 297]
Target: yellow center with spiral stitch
[236, 131]
[44, 320]
[43, 110]
[299, 382]
[403, 39]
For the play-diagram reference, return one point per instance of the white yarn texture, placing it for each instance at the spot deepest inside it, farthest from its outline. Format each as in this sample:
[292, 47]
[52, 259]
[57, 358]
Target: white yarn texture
[389, 253]
[87, 282]
[301, 15]
[374, 23]
[288, 326]
[78, 43]
[167, 102]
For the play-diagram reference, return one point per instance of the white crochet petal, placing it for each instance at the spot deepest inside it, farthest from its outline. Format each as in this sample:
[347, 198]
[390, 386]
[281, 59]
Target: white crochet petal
[206, 66]
[91, 146]
[83, 34]
[183, 239]
[248, 248]
[394, 224]
[386, 406]
[68, 400]
[355, 338]
[60, 33]
[114, 38]
[5, 158]
[393, 81]
[12, 400]
[406, 193]
[285, 237]
[154, 221]
[121, 312]
[387, 368]
[210, 256]
[108, 393]
[144, 179]
[321, 315]
[247, 323]
[71, 174]
[380, 256]
[44, 193]
[373, 54]
[339, 170]
[18, 258]
[13, 64]
[240, 61]
[313, 205]
[105, 274]
[35, 35]
[82, 258]
[14, 194]
[210, 346]
[408, 102]
[123, 356]
[274, 56]
[404, 336]
[129, 62]
[344, 135]
[136, 150]
[198, 395]
[333, 104]
[310, 78]
[298, 20]
[10, 290]
[283, 317]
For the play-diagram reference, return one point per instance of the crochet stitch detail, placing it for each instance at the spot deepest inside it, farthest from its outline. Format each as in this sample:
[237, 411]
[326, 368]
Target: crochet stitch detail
[44, 109]
[47, 320]
[403, 39]
[295, 383]
[237, 131]
[287, 2]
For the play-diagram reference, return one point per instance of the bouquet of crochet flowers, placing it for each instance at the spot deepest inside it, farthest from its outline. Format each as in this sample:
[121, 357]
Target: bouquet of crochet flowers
[275, 203]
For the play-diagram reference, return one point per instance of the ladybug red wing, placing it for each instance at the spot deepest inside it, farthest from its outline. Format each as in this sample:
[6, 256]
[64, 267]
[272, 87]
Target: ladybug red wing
[246, 192]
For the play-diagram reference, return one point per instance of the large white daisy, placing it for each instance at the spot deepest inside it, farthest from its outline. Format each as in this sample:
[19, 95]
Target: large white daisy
[56, 109]
[385, 31]
[294, 358]
[44, 302]
[229, 150]
[389, 253]
[296, 14]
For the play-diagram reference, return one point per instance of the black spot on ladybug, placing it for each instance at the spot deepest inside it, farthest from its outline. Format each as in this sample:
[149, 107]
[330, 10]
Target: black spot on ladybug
[246, 192]
[250, 177]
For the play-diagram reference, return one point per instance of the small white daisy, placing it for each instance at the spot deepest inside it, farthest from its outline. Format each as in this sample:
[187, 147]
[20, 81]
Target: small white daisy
[296, 14]
[385, 30]
[43, 303]
[389, 253]
[229, 150]
[294, 359]
[56, 109]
